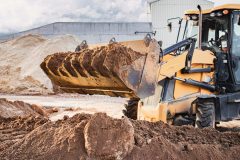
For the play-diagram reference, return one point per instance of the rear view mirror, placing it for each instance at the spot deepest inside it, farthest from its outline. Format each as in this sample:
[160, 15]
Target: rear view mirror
[160, 43]
[169, 26]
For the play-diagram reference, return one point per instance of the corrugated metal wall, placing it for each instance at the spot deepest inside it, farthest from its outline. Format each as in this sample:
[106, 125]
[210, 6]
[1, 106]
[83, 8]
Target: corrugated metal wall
[92, 32]
[162, 10]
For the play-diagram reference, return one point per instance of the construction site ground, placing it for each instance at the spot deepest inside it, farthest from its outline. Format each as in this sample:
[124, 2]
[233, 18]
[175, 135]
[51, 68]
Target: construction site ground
[61, 128]
[37, 124]
[70, 104]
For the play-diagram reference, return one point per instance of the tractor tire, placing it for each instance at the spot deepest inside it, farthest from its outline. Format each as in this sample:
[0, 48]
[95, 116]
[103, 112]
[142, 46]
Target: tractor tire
[205, 115]
[131, 108]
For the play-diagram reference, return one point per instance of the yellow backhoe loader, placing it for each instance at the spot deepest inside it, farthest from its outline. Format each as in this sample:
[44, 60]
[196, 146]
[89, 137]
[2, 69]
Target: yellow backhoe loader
[195, 81]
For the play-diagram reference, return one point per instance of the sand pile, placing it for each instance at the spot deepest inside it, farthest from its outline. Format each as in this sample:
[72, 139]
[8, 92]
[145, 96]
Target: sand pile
[101, 137]
[18, 108]
[99, 67]
[20, 59]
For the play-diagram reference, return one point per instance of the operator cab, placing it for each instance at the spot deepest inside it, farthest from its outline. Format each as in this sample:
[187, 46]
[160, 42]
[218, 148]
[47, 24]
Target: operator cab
[220, 35]
[214, 31]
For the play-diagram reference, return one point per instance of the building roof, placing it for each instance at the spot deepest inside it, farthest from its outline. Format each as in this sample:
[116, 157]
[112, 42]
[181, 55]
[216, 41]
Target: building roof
[221, 7]
[151, 1]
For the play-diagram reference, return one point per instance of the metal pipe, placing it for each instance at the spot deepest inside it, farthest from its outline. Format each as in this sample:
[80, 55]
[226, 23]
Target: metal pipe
[192, 82]
[179, 29]
[139, 32]
[185, 28]
[178, 45]
[200, 27]
[180, 25]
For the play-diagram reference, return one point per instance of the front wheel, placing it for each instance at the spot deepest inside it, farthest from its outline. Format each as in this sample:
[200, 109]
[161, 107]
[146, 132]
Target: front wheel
[131, 108]
[205, 114]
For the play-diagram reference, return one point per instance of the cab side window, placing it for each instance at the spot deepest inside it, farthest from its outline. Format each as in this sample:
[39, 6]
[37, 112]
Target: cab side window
[236, 46]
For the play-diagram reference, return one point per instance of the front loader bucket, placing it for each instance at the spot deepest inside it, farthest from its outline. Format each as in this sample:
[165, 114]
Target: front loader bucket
[125, 69]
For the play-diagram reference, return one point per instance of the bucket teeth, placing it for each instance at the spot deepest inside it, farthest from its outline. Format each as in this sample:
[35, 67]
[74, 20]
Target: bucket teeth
[67, 64]
[76, 65]
[97, 63]
[54, 63]
[86, 62]
[113, 70]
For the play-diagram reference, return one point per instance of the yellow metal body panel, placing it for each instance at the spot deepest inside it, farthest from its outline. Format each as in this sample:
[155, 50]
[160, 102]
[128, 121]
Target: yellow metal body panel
[184, 94]
[222, 7]
[182, 89]
[173, 64]
[162, 110]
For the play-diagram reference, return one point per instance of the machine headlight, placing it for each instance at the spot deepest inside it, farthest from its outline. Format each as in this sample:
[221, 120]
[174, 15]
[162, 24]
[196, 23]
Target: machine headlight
[213, 14]
[219, 14]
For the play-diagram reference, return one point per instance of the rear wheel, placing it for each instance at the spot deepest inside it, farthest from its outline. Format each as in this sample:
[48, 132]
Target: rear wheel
[131, 108]
[205, 114]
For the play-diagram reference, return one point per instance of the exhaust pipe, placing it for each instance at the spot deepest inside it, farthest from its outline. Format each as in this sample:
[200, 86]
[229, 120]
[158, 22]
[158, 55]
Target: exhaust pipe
[200, 27]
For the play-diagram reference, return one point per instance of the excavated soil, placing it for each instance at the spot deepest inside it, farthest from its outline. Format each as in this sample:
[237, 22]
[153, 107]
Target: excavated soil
[15, 129]
[100, 137]
[92, 61]
[99, 66]
[98, 60]
[184, 134]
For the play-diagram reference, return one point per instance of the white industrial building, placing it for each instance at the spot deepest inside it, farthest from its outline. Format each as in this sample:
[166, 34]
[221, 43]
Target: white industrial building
[92, 32]
[162, 10]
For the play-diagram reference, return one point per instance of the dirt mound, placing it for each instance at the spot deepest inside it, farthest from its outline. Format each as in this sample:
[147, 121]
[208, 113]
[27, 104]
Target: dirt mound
[188, 134]
[14, 129]
[63, 139]
[162, 141]
[20, 59]
[70, 139]
[19, 108]
[116, 135]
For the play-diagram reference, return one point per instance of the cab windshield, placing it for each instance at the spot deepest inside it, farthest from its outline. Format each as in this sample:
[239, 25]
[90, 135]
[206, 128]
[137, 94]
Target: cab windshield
[192, 29]
[214, 32]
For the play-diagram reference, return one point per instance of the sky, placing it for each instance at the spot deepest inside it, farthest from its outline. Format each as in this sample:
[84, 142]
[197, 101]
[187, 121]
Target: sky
[20, 15]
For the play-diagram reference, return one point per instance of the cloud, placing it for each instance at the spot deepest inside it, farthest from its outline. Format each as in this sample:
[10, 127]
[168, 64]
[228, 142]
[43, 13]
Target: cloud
[25, 14]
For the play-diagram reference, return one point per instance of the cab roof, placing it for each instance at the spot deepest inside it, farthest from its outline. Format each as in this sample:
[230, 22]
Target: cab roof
[222, 7]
